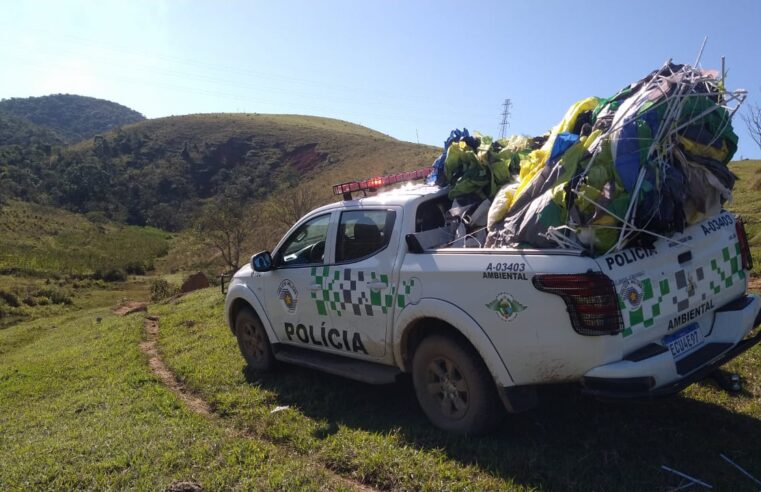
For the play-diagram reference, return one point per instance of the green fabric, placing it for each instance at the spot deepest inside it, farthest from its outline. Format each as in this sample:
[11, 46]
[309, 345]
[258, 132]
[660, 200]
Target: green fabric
[716, 122]
[482, 171]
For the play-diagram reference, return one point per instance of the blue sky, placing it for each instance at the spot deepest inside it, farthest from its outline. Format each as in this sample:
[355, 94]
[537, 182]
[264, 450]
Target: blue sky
[413, 69]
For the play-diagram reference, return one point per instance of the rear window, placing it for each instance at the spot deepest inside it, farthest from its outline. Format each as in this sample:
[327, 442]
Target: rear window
[363, 233]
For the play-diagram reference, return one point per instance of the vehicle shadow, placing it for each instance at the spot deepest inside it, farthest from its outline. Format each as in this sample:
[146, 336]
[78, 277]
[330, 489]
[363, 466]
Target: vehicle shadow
[569, 442]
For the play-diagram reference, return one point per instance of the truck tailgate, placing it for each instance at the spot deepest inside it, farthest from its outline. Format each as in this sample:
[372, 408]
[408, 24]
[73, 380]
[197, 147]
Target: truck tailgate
[678, 284]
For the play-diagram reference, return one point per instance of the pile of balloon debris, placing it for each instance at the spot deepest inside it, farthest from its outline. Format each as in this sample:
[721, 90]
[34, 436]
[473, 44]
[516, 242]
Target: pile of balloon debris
[614, 173]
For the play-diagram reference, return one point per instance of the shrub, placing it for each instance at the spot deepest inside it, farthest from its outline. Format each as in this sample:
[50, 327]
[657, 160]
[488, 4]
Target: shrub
[97, 217]
[161, 289]
[135, 268]
[214, 280]
[110, 275]
[10, 298]
[54, 295]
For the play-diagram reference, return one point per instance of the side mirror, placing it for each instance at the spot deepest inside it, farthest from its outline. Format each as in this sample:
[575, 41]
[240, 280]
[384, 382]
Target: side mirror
[262, 262]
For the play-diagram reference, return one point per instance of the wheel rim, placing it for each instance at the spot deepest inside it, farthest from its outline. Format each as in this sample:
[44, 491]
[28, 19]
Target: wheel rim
[253, 341]
[446, 385]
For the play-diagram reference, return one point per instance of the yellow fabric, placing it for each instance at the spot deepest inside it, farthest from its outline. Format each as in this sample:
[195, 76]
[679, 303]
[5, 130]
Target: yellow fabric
[501, 204]
[705, 150]
[535, 161]
[569, 120]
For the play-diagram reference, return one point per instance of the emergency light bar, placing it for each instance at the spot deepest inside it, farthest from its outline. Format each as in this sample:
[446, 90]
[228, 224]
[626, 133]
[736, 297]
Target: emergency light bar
[373, 184]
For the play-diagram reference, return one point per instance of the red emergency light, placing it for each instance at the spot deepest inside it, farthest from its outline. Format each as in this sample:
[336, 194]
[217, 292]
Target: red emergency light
[372, 184]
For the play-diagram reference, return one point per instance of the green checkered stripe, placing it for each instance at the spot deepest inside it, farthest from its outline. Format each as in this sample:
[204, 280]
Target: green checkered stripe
[405, 291]
[648, 310]
[671, 295]
[727, 269]
[345, 291]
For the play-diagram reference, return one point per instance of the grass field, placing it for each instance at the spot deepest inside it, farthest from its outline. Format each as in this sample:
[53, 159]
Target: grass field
[747, 203]
[89, 414]
[36, 240]
[379, 435]
[41, 298]
[53, 261]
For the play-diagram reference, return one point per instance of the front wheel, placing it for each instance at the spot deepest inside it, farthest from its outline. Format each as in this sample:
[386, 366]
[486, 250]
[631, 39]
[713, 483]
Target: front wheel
[252, 341]
[454, 388]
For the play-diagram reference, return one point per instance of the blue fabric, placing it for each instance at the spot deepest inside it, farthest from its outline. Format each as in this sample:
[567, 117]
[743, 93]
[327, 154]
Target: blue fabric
[629, 145]
[437, 176]
[627, 154]
[562, 143]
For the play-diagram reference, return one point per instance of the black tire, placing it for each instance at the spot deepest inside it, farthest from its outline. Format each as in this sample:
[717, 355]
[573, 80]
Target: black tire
[253, 341]
[454, 387]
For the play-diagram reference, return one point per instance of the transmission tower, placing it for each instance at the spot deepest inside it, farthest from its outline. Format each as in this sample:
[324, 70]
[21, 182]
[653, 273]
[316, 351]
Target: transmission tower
[505, 117]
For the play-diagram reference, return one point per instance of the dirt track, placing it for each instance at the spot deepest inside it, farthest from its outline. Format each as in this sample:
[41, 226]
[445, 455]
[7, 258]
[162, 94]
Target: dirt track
[149, 346]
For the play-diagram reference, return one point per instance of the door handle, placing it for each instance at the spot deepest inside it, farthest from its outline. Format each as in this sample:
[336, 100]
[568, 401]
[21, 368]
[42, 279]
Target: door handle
[315, 287]
[377, 285]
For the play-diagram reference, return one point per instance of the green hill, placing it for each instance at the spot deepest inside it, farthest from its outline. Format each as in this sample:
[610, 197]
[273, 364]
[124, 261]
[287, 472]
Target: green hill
[72, 117]
[24, 150]
[18, 131]
[159, 172]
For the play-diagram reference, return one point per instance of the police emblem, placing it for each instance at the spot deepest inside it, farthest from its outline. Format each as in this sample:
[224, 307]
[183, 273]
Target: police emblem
[288, 295]
[506, 306]
[631, 293]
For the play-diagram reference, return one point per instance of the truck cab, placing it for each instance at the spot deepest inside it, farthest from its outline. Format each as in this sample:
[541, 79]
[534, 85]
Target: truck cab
[371, 288]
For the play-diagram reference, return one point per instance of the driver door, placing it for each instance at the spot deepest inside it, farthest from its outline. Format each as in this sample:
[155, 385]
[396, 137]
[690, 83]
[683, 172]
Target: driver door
[289, 285]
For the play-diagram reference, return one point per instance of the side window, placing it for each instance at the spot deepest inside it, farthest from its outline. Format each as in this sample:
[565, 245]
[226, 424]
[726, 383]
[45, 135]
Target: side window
[306, 246]
[430, 214]
[362, 233]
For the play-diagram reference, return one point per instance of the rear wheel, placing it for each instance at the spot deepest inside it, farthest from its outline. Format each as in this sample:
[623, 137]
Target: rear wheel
[252, 341]
[454, 388]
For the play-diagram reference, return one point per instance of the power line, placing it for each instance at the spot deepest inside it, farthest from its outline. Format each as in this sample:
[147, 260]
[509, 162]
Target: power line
[505, 117]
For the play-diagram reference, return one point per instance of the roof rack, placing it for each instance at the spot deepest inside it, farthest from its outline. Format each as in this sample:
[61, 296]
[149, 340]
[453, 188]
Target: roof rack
[372, 184]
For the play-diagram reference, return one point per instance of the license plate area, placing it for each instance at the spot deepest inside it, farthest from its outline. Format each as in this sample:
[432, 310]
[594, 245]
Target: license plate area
[684, 341]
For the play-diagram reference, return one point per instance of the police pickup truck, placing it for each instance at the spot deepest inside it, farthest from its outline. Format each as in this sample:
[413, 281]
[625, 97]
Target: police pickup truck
[368, 289]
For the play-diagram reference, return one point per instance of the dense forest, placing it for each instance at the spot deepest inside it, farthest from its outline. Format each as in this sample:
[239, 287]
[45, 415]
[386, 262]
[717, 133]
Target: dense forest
[25, 148]
[18, 131]
[73, 118]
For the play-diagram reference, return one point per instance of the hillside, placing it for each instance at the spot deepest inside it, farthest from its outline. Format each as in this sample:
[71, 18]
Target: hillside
[24, 150]
[53, 260]
[18, 131]
[159, 172]
[42, 241]
[72, 117]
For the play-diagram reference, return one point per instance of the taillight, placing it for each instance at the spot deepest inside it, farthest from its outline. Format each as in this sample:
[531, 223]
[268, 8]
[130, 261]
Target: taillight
[591, 300]
[744, 246]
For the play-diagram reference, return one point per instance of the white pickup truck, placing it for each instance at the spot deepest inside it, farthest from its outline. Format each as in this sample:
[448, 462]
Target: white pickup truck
[366, 289]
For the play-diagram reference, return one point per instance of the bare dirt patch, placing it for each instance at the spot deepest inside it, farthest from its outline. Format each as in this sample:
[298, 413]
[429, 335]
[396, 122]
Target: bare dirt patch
[130, 307]
[305, 157]
[184, 486]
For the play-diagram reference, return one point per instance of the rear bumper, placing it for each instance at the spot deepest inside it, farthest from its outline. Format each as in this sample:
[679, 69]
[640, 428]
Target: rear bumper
[658, 375]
